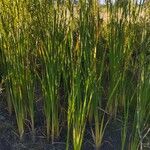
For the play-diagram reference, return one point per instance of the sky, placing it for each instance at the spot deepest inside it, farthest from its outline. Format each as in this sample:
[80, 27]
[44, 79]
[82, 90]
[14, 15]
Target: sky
[103, 1]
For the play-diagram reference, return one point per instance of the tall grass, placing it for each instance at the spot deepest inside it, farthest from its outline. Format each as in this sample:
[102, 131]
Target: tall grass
[16, 56]
[102, 63]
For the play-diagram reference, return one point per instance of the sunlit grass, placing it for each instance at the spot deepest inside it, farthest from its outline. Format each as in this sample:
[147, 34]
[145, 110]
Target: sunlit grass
[102, 63]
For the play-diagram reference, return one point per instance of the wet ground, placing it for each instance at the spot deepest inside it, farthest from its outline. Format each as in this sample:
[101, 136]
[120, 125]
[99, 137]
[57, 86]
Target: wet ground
[9, 138]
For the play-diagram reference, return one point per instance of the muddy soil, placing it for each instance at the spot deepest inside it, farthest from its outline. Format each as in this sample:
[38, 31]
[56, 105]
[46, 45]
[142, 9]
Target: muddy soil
[9, 138]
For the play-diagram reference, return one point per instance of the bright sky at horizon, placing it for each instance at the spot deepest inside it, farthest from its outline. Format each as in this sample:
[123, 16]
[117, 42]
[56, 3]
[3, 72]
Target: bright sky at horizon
[103, 1]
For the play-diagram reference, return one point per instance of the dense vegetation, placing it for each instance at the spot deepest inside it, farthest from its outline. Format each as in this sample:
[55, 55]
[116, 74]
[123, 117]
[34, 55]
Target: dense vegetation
[91, 63]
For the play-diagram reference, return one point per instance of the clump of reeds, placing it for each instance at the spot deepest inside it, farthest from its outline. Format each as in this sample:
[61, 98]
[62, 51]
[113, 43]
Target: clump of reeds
[102, 63]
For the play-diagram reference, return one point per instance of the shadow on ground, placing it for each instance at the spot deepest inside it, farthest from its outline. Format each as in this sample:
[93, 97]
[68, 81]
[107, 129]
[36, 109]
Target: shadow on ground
[9, 139]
